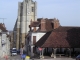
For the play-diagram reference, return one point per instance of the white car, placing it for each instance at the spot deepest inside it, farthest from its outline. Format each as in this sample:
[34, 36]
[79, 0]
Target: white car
[14, 52]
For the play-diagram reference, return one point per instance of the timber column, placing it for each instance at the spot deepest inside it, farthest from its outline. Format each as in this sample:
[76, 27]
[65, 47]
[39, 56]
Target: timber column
[18, 25]
[23, 25]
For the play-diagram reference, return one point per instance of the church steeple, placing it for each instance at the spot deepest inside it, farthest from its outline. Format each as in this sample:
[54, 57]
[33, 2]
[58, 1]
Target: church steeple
[27, 11]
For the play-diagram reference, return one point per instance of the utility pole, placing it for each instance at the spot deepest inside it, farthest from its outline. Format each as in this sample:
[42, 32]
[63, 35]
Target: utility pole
[3, 19]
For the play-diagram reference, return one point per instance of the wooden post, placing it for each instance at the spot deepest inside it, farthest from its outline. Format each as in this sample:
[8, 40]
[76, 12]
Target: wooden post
[55, 52]
[52, 55]
[43, 53]
[69, 52]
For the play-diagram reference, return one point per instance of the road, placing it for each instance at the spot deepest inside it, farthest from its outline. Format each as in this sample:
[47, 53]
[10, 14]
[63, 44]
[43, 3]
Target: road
[18, 58]
[15, 57]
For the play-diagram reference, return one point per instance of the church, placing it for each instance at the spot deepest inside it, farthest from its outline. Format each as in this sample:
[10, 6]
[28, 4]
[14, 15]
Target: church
[53, 34]
[27, 11]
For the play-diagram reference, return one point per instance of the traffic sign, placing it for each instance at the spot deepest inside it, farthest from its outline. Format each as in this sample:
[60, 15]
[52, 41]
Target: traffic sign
[40, 49]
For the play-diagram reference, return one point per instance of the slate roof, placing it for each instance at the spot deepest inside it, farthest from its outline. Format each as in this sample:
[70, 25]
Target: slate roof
[64, 37]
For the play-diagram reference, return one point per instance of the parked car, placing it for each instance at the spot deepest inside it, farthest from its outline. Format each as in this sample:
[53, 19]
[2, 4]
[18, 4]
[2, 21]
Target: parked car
[14, 51]
[78, 57]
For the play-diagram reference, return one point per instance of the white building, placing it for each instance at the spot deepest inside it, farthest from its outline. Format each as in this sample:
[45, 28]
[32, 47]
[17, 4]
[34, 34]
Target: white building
[4, 41]
[31, 39]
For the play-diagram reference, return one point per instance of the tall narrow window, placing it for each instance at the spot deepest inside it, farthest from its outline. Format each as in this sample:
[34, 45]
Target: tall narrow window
[52, 24]
[32, 9]
[34, 39]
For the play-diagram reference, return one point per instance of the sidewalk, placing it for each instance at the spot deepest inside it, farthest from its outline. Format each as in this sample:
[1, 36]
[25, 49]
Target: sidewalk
[2, 58]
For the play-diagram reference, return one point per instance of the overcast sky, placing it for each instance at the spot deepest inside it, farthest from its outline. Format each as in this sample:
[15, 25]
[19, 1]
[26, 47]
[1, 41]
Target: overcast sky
[67, 11]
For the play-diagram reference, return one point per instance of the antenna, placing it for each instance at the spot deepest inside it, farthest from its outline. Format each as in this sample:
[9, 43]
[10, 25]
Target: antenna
[3, 19]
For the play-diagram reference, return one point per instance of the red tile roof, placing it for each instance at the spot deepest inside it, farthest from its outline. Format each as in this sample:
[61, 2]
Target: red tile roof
[48, 24]
[35, 24]
[61, 37]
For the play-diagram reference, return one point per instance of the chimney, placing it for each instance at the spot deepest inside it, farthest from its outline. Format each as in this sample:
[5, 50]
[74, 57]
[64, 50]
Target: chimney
[3, 25]
[43, 25]
[30, 25]
[55, 23]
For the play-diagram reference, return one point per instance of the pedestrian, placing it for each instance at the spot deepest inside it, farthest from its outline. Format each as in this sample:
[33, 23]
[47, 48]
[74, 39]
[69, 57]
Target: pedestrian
[23, 53]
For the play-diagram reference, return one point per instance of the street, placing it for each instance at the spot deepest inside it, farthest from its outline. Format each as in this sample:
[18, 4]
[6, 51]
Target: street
[18, 58]
[15, 57]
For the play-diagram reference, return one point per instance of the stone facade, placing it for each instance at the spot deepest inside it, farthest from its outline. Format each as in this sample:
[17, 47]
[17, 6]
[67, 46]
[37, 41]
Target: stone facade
[11, 39]
[5, 45]
[4, 41]
[27, 11]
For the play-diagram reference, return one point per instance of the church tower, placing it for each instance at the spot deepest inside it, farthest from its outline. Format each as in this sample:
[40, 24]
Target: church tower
[27, 11]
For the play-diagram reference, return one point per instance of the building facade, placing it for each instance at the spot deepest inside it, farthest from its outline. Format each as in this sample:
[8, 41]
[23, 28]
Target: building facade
[27, 11]
[11, 39]
[4, 41]
[31, 39]
[37, 30]
[50, 36]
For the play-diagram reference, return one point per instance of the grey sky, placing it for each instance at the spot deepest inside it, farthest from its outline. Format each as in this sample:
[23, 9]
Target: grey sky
[67, 11]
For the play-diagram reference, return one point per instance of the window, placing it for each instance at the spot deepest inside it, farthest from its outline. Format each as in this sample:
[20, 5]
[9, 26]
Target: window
[32, 9]
[34, 39]
[34, 49]
[52, 24]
